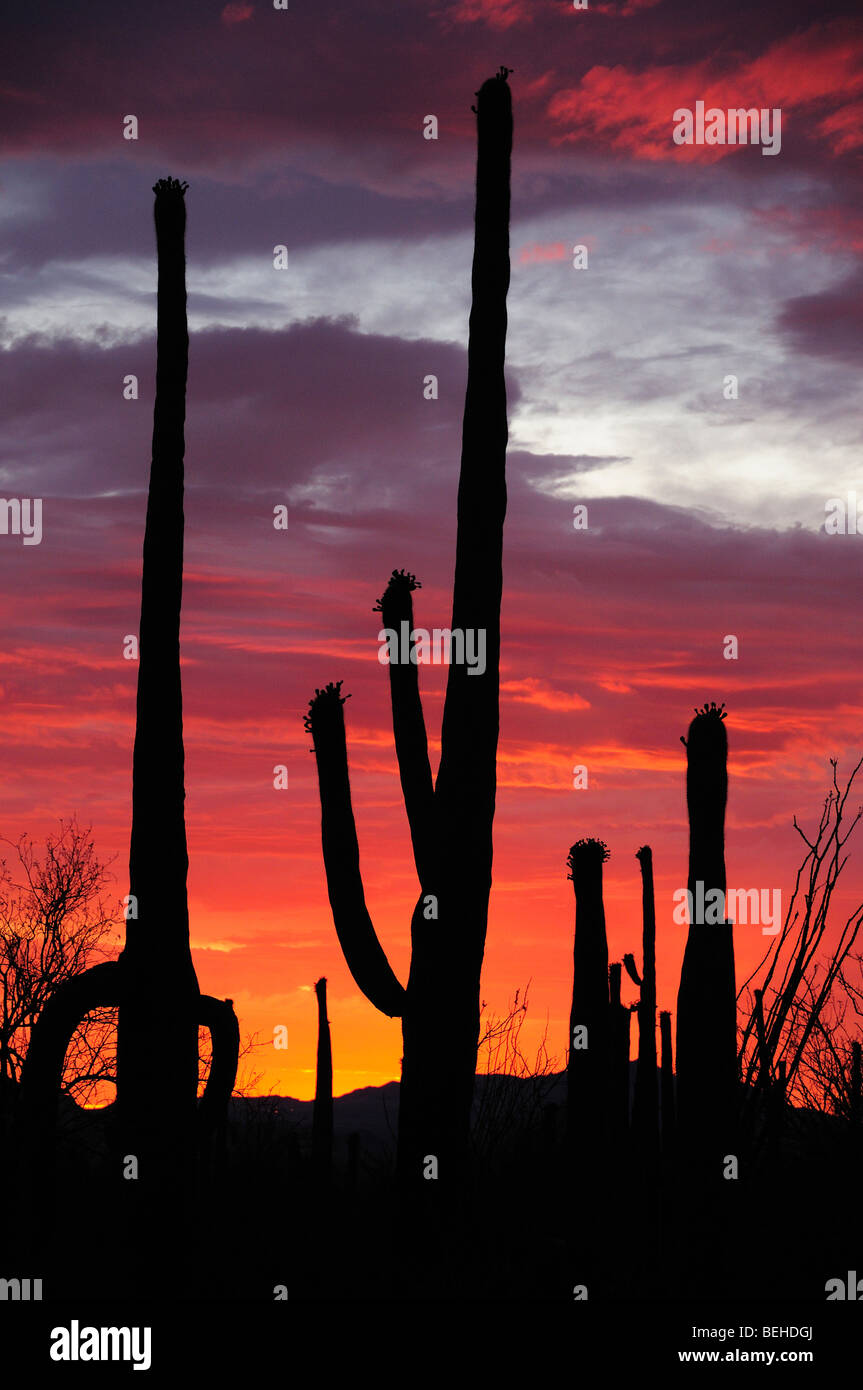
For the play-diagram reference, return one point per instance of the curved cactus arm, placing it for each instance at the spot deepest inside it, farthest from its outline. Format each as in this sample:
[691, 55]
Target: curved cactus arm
[217, 1015]
[409, 730]
[631, 968]
[363, 952]
[645, 1110]
[96, 988]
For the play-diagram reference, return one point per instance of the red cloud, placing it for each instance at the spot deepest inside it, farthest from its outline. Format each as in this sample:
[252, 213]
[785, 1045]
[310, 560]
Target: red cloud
[553, 251]
[498, 14]
[531, 691]
[830, 229]
[633, 111]
[237, 13]
[628, 8]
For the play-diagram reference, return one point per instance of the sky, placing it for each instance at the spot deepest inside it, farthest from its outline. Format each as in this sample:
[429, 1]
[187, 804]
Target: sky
[706, 513]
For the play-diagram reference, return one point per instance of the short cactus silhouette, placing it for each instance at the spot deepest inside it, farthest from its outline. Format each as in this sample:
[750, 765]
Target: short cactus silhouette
[322, 1112]
[645, 1107]
[707, 1001]
[594, 1103]
[669, 1109]
[589, 1032]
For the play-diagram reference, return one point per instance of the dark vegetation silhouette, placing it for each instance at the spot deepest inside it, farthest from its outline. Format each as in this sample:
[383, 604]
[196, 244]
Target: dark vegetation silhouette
[607, 1180]
[156, 1119]
[589, 1071]
[668, 1103]
[589, 1091]
[451, 816]
[54, 922]
[515, 1102]
[156, 1109]
[707, 998]
[731, 1142]
[645, 1111]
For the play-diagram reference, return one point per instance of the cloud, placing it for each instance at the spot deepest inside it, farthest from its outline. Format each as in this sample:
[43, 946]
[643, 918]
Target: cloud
[627, 8]
[237, 13]
[531, 691]
[309, 392]
[829, 324]
[497, 14]
[249, 390]
[815, 77]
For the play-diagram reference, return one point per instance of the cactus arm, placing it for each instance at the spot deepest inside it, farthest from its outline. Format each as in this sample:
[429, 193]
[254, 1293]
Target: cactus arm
[363, 952]
[409, 731]
[218, 1017]
[631, 968]
[42, 1072]
[645, 1116]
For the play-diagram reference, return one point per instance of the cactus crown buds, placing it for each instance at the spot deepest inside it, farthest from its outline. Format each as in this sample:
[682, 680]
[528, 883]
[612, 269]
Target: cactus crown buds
[586, 849]
[169, 187]
[400, 583]
[325, 699]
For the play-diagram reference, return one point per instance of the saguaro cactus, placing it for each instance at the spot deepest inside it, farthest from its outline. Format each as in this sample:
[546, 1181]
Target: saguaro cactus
[589, 1039]
[593, 1101]
[322, 1112]
[158, 1101]
[619, 1020]
[451, 818]
[667, 1082]
[707, 1001]
[645, 1108]
[153, 982]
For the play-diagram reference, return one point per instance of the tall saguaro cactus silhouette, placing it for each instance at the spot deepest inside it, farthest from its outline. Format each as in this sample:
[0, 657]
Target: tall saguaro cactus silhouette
[157, 960]
[451, 818]
[153, 982]
[706, 1001]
